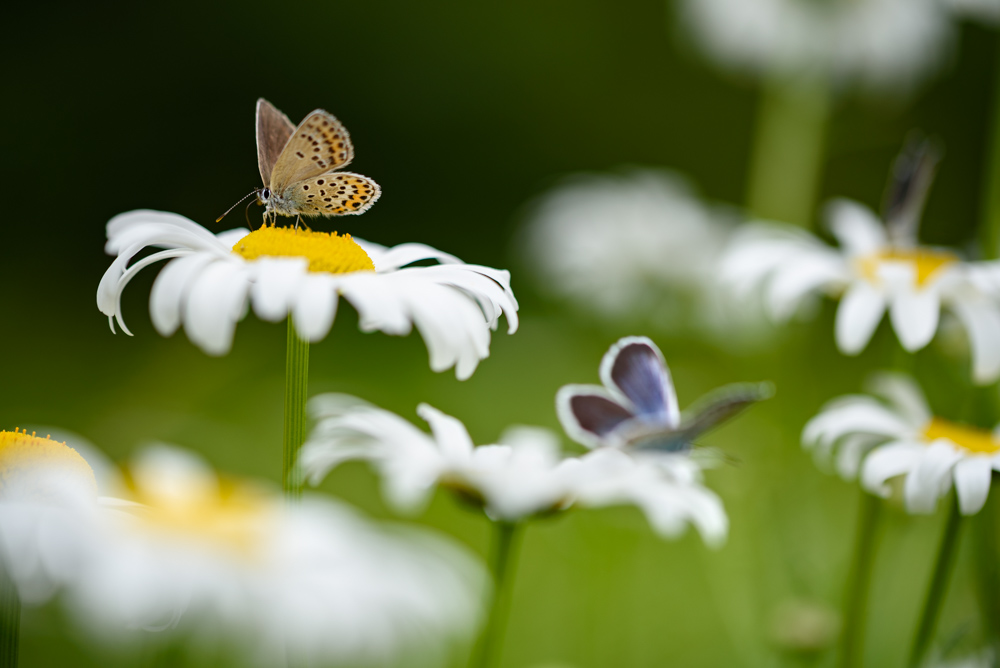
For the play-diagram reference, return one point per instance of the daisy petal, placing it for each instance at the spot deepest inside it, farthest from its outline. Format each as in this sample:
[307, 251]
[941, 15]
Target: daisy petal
[887, 462]
[217, 301]
[972, 483]
[981, 319]
[930, 477]
[859, 313]
[914, 315]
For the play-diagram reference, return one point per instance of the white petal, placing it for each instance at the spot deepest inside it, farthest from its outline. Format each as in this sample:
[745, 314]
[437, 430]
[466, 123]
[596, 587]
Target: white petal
[928, 479]
[888, 462]
[315, 307]
[858, 230]
[796, 280]
[906, 396]
[982, 322]
[170, 291]
[914, 315]
[451, 435]
[972, 483]
[859, 313]
[216, 303]
[275, 285]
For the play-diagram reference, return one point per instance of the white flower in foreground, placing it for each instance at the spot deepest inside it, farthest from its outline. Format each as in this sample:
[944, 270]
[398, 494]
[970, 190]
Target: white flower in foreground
[880, 44]
[617, 245]
[870, 273]
[524, 475]
[189, 552]
[48, 498]
[902, 437]
[210, 280]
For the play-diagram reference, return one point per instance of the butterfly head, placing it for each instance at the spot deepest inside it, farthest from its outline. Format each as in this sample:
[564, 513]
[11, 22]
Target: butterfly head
[264, 196]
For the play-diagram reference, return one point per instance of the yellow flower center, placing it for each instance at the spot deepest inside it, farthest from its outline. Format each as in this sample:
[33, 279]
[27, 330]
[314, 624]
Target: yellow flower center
[973, 440]
[326, 251]
[23, 457]
[925, 261]
[233, 516]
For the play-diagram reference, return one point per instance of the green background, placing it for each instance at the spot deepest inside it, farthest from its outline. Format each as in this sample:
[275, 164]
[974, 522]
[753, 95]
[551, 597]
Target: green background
[463, 112]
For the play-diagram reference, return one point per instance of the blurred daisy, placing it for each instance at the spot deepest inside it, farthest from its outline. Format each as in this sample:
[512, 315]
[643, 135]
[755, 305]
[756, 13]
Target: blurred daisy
[902, 437]
[618, 244]
[48, 498]
[190, 552]
[878, 267]
[524, 475]
[878, 44]
[210, 280]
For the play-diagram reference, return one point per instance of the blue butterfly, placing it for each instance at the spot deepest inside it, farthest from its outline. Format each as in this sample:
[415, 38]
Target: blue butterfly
[637, 406]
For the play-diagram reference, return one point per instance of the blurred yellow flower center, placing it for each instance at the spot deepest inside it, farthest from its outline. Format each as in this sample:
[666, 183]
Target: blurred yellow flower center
[232, 515]
[974, 440]
[23, 456]
[925, 261]
[326, 251]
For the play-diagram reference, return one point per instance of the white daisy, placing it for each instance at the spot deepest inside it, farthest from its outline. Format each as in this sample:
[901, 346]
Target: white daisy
[48, 498]
[879, 44]
[902, 437]
[524, 475]
[189, 552]
[617, 245]
[870, 273]
[210, 279]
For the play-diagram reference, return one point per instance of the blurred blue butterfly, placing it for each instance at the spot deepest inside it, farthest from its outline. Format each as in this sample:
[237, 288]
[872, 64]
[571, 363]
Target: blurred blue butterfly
[637, 406]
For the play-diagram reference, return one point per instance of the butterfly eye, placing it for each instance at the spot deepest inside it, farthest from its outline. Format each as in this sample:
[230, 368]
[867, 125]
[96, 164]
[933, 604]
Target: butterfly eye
[265, 194]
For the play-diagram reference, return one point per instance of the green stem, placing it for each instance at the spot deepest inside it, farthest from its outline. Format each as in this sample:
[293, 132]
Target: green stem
[990, 233]
[787, 158]
[503, 557]
[987, 573]
[296, 393]
[855, 615]
[938, 586]
[10, 622]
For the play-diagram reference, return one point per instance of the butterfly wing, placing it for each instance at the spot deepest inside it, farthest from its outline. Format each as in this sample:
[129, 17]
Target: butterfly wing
[318, 145]
[336, 194]
[589, 415]
[912, 174]
[273, 131]
[711, 410]
[635, 368]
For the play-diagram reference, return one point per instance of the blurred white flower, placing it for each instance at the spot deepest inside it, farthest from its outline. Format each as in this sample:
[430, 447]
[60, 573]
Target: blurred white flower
[870, 273]
[210, 279]
[193, 553]
[48, 499]
[902, 437]
[636, 243]
[882, 45]
[525, 474]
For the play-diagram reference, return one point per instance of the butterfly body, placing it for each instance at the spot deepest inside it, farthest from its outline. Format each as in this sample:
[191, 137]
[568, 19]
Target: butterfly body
[300, 165]
[636, 408]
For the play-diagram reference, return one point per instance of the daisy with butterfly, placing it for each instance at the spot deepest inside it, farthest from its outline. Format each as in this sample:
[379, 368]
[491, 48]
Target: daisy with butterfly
[211, 280]
[640, 457]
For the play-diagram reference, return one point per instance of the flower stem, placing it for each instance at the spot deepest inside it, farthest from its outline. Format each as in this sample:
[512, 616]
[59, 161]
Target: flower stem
[296, 392]
[938, 587]
[987, 573]
[990, 233]
[503, 557]
[855, 615]
[10, 622]
[787, 158]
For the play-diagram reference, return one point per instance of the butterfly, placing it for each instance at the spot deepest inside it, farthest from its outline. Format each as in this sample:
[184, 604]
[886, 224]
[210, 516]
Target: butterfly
[297, 166]
[637, 406]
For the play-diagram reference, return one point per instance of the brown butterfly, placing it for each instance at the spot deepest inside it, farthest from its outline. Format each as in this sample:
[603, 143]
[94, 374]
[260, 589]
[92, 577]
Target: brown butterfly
[297, 165]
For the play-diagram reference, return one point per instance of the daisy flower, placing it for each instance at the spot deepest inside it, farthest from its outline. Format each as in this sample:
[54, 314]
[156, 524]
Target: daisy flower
[211, 279]
[876, 268]
[622, 244]
[522, 476]
[48, 496]
[894, 433]
[880, 44]
[186, 551]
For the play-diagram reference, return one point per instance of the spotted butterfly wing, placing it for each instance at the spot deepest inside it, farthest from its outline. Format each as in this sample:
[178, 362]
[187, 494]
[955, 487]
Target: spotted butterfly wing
[273, 131]
[319, 144]
[333, 194]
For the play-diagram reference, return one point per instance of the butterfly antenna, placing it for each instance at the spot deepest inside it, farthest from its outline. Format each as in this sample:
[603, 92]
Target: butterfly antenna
[246, 214]
[252, 192]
